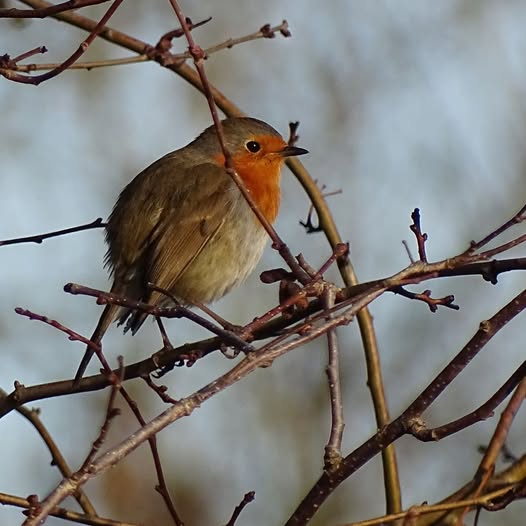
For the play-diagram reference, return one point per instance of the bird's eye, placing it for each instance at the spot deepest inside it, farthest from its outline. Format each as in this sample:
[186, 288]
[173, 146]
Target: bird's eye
[253, 146]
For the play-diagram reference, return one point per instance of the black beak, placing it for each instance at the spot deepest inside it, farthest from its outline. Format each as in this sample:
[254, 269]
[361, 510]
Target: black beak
[291, 151]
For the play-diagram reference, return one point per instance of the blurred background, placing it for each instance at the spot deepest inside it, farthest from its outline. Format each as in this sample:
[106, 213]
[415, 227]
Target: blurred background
[402, 104]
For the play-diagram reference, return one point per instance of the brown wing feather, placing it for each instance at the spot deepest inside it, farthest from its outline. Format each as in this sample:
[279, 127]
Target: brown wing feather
[181, 234]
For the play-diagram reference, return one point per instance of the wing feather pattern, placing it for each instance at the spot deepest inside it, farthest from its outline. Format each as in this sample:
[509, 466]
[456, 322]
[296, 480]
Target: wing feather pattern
[181, 235]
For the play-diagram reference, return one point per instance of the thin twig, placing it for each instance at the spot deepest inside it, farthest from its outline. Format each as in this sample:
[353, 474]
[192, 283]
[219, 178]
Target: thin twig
[161, 487]
[44, 12]
[421, 237]
[504, 247]
[432, 303]
[431, 509]
[72, 335]
[33, 416]
[333, 449]
[37, 79]
[111, 413]
[400, 426]
[62, 513]
[519, 217]
[366, 325]
[35, 51]
[247, 499]
[182, 409]
[177, 311]
[487, 464]
[38, 238]
[420, 431]
[165, 56]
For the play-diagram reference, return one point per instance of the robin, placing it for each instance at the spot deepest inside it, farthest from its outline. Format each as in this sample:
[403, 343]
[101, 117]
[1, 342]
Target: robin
[183, 225]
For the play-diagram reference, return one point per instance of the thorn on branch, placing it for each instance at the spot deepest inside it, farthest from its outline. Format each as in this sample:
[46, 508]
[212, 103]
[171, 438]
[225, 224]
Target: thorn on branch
[421, 237]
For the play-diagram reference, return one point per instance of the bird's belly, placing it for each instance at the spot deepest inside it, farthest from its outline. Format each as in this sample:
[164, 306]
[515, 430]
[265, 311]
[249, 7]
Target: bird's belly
[225, 261]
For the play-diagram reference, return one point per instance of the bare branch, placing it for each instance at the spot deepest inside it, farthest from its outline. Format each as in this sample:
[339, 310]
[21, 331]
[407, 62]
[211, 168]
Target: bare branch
[48, 11]
[38, 238]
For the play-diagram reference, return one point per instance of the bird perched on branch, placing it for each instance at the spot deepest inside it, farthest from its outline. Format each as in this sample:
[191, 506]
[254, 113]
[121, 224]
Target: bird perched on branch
[183, 225]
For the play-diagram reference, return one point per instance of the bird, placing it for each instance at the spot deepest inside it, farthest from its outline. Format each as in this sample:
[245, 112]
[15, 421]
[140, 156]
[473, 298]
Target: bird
[183, 225]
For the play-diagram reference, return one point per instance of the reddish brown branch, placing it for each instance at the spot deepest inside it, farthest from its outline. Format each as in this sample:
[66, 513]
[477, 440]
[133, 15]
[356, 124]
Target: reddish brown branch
[108, 378]
[486, 410]
[421, 237]
[488, 269]
[161, 487]
[36, 51]
[72, 335]
[519, 217]
[111, 413]
[174, 312]
[58, 460]
[48, 11]
[37, 79]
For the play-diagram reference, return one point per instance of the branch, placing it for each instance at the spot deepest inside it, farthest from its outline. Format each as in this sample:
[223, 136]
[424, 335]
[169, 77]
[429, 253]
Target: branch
[160, 52]
[420, 431]
[48, 11]
[32, 415]
[333, 453]
[247, 499]
[36, 80]
[38, 238]
[414, 274]
[184, 407]
[62, 513]
[109, 377]
[328, 482]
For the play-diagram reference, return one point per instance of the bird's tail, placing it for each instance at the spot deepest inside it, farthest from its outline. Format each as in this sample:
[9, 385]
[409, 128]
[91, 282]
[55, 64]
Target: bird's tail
[108, 315]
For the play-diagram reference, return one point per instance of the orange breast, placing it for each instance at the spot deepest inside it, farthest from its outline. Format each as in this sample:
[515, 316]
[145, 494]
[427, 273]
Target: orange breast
[261, 178]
